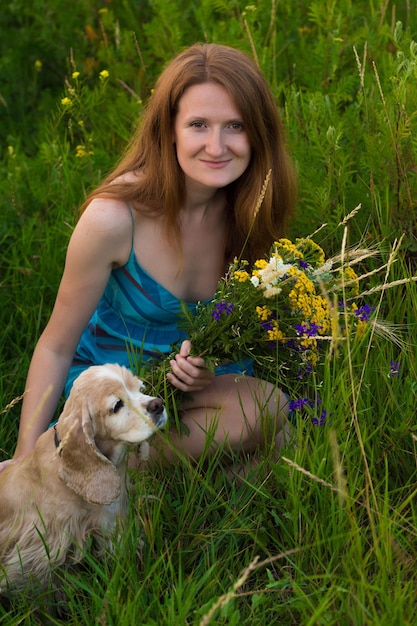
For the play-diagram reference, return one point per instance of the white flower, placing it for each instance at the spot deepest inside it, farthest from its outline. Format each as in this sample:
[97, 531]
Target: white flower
[255, 281]
[274, 271]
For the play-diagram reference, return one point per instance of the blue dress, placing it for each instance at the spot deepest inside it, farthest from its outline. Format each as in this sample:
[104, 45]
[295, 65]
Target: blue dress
[136, 319]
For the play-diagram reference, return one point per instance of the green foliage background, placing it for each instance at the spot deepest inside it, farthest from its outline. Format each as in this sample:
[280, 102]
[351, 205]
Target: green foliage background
[344, 76]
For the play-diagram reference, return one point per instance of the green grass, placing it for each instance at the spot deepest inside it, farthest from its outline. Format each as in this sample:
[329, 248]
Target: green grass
[327, 535]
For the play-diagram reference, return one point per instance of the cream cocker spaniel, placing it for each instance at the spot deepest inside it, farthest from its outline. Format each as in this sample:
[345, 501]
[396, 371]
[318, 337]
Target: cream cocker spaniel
[73, 485]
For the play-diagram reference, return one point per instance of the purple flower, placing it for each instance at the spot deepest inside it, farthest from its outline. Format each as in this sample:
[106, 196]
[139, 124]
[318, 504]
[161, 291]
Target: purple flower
[300, 329]
[221, 307]
[304, 373]
[303, 264]
[297, 405]
[320, 421]
[364, 312]
[394, 369]
[314, 329]
[310, 329]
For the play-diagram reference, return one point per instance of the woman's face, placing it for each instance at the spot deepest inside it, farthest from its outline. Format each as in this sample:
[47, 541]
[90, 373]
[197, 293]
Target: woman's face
[212, 146]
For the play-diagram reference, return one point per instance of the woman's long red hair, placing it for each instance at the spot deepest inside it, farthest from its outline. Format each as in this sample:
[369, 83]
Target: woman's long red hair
[160, 187]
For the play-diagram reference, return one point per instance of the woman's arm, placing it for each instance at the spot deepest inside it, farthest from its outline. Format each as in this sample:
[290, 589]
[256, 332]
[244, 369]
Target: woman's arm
[100, 242]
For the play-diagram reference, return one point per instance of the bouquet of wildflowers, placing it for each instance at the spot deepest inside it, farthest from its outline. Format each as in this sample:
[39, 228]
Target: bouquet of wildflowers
[287, 305]
[287, 312]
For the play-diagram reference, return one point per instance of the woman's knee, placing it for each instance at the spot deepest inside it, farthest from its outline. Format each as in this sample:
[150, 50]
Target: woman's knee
[255, 413]
[247, 410]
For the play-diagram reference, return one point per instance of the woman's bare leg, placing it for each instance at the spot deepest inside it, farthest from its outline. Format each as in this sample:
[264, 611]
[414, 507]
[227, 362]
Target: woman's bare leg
[235, 411]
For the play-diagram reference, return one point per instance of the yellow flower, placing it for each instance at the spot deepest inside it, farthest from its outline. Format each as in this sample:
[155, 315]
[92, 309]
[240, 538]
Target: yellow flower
[264, 313]
[311, 251]
[275, 334]
[321, 315]
[350, 276]
[103, 10]
[300, 296]
[361, 329]
[312, 353]
[81, 151]
[66, 102]
[287, 246]
[75, 75]
[104, 74]
[10, 150]
[261, 264]
[241, 276]
[38, 65]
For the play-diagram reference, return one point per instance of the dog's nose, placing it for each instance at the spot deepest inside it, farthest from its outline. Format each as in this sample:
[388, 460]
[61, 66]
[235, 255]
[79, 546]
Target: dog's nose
[155, 407]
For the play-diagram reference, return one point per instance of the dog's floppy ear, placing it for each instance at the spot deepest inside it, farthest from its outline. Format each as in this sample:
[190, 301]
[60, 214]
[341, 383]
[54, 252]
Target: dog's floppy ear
[83, 468]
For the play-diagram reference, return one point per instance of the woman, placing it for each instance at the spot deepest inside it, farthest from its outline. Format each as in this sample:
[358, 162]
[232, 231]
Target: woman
[161, 229]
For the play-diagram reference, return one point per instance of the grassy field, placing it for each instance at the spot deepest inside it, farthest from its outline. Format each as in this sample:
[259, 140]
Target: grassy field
[327, 535]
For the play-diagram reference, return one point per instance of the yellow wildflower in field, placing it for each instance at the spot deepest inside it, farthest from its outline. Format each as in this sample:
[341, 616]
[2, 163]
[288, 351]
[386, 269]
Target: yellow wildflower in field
[75, 75]
[66, 102]
[361, 328]
[104, 74]
[38, 65]
[81, 151]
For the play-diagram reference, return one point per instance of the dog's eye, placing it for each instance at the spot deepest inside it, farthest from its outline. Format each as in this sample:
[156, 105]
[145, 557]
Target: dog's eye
[119, 405]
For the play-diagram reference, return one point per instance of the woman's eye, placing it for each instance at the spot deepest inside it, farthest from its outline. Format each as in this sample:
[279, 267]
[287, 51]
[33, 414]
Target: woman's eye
[197, 124]
[237, 126]
[119, 405]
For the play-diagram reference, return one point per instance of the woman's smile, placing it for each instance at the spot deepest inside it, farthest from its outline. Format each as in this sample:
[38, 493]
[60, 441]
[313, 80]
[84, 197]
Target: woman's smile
[216, 164]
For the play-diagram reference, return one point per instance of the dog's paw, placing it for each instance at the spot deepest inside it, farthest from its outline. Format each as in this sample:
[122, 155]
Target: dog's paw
[143, 451]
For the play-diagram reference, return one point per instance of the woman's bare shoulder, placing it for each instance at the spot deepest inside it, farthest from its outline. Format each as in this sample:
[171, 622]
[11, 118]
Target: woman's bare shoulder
[108, 212]
[107, 223]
